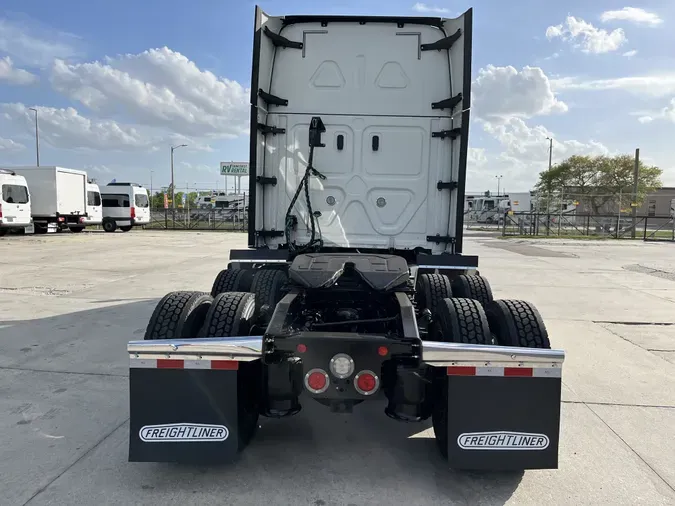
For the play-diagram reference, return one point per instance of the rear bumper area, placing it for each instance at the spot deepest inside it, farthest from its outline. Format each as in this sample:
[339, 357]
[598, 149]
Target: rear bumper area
[502, 405]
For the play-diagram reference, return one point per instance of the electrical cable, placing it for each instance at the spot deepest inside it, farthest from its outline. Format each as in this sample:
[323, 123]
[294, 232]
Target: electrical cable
[290, 219]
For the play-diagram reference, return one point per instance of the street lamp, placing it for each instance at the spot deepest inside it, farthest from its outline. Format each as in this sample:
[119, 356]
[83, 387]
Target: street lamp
[37, 135]
[173, 188]
[499, 180]
[550, 151]
[151, 194]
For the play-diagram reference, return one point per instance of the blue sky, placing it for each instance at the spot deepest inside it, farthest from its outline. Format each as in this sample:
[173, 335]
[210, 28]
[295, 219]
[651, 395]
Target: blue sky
[118, 82]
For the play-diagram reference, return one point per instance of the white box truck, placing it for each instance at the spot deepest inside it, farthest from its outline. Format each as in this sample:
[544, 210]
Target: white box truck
[58, 197]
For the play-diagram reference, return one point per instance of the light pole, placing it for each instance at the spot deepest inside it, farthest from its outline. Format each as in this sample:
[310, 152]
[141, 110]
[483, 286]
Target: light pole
[151, 194]
[499, 180]
[37, 136]
[550, 151]
[173, 189]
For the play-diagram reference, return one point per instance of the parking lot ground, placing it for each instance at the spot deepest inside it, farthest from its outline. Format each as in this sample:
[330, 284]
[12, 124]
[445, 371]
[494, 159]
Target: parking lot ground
[69, 303]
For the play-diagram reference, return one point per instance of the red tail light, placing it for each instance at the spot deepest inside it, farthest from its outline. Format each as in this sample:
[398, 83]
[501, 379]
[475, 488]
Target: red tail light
[133, 212]
[316, 381]
[366, 382]
[0, 210]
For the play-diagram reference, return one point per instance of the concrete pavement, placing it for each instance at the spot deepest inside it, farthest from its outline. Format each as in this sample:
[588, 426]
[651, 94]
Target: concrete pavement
[69, 303]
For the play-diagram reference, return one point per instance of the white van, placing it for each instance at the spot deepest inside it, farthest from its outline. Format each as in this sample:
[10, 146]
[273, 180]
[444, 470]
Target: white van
[15, 209]
[125, 205]
[94, 205]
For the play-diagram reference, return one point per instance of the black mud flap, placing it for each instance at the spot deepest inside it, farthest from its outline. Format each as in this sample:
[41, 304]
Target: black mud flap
[503, 418]
[181, 414]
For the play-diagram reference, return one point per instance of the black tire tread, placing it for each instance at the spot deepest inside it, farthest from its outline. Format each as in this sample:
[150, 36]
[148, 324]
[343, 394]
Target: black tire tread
[432, 289]
[457, 320]
[168, 320]
[267, 286]
[472, 287]
[229, 280]
[229, 315]
[462, 320]
[517, 323]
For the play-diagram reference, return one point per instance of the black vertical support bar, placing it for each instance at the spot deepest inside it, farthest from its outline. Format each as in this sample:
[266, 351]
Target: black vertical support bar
[253, 136]
[464, 140]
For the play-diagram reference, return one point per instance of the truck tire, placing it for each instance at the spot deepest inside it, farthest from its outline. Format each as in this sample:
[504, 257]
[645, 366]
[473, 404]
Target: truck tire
[126, 228]
[3, 232]
[431, 290]
[268, 287]
[232, 280]
[456, 321]
[472, 287]
[460, 320]
[517, 323]
[231, 315]
[109, 225]
[76, 230]
[179, 315]
[39, 229]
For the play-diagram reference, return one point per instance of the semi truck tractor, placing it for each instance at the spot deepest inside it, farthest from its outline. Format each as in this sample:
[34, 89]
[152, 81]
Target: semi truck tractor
[355, 286]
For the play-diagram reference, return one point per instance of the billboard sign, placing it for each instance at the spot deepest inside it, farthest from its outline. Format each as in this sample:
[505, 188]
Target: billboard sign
[234, 168]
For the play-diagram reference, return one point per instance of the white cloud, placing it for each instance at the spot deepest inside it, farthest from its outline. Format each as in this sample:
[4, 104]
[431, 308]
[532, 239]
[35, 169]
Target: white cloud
[476, 157]
[32, 43]
[667, 113]
[12, 75]
[421, 7]
[161, 88]
[632, 14]
[657, 85]
[631, 53]
[502, 92]
[587, 37]
[10, 145]
[525, 145]
[67, 129]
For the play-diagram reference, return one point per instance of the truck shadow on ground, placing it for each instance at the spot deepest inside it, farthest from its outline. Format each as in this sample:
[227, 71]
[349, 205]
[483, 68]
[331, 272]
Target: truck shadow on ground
[315, 457]
[350, 457]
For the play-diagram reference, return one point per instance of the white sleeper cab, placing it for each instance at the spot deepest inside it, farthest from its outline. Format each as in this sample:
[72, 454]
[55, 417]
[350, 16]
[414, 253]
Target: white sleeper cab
[125, 205]
[14, 203]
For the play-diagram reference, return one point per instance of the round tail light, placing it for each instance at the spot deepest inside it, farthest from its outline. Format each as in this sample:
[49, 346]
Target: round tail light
[316, 381]
[342, 366]
[366, 382]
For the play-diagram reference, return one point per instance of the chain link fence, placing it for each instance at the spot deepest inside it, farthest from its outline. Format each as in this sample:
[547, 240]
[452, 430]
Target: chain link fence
[232, 220]
[647, 228]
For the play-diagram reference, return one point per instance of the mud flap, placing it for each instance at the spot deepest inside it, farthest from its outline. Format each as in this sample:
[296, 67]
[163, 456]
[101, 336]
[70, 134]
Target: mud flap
[183, 415]
[503, 419]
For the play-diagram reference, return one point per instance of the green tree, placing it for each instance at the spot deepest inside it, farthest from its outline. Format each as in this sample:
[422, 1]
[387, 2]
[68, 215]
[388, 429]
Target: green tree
[157, 200]
[598, 181]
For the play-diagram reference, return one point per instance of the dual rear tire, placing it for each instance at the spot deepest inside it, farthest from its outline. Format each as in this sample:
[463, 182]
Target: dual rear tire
[477, 319]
